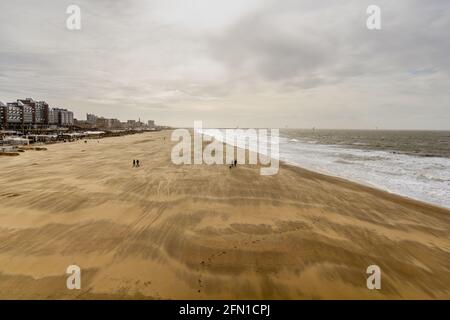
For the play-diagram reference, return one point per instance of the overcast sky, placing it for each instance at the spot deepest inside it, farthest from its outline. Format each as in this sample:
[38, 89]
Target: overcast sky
[252, 63]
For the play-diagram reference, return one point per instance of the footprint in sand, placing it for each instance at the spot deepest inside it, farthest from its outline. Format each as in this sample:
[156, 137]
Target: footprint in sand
[210, 260]
[205, 265]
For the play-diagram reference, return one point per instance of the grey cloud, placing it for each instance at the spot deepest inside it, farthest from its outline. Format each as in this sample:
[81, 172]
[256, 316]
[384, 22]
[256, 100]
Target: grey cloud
[254, 46]
[413, 38]
[268, 57]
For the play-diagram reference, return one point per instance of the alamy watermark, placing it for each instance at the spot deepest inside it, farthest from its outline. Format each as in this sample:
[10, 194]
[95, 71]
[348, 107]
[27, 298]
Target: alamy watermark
[262, 146]
[374, 280]
[74, 279]
[374, 20]
[73, 21]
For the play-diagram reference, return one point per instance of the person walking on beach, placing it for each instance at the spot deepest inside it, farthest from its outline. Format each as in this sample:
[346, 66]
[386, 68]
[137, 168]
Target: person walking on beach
[235, 163]
[137, 163]
[134, 163]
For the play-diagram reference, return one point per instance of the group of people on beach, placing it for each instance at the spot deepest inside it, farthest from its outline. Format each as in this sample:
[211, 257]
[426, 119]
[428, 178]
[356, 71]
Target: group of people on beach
[136, 163]
[233, 164]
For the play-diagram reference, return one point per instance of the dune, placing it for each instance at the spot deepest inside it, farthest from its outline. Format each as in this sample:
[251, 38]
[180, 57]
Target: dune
[165, 231]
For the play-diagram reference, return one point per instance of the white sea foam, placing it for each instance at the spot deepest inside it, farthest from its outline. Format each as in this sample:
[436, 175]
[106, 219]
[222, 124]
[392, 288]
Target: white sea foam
[422, 178]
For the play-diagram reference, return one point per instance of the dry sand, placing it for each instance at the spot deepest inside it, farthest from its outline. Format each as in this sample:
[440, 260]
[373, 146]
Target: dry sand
[206, 232]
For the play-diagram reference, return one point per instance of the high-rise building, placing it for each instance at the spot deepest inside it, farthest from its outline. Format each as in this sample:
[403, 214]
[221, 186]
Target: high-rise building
[41, 113]
[115, 123]
[27, 113]
[2, 115]
[131, 123]
[64, 116]
[27, 106]
[13, 113]
[52, 117]
[102, 123]
[91, 118]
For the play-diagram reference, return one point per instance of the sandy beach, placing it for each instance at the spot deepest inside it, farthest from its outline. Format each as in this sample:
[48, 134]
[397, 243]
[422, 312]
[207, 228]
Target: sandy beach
[164, 231]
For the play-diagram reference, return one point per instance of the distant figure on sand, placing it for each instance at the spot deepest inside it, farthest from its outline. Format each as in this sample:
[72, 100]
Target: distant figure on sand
[134, 163]
[235, 163]
[137, 163]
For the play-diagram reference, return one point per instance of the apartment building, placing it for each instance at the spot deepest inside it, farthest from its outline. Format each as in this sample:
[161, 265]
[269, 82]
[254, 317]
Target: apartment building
[91, 118]
[2, 115]
[13, 113]
[41, 110]
[64, 117]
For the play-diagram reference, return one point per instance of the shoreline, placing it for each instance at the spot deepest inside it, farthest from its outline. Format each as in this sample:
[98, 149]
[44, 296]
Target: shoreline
[360, 183]
[368, 185]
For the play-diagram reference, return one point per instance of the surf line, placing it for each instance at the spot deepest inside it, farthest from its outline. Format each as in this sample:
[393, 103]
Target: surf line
[255, 141]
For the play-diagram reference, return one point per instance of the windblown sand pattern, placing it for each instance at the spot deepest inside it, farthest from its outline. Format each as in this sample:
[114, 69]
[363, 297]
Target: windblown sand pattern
[163, 231]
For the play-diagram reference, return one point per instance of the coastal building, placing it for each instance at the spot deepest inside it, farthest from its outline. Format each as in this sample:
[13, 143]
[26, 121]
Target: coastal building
[2, 115]
[28, 101]
[105, 123]
[39, 112]
[102, 123]
[69, 115]
[131, 124]
[83, 124]
[27, 105]
[115, 124]
[13, 115]
[64, 116]
[52, 117]
[91, 118]
[41, 109]
[27, 113]
[151, 123]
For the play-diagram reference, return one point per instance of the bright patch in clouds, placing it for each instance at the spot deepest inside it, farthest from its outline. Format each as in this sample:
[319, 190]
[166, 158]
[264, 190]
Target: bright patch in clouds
[248, 63]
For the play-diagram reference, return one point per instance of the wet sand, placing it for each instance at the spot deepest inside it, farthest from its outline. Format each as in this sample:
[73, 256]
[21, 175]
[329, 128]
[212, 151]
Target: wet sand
[164, 231]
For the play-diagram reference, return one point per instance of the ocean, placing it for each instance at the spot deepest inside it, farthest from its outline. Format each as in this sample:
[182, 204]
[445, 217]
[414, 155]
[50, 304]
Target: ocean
[415, 164]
